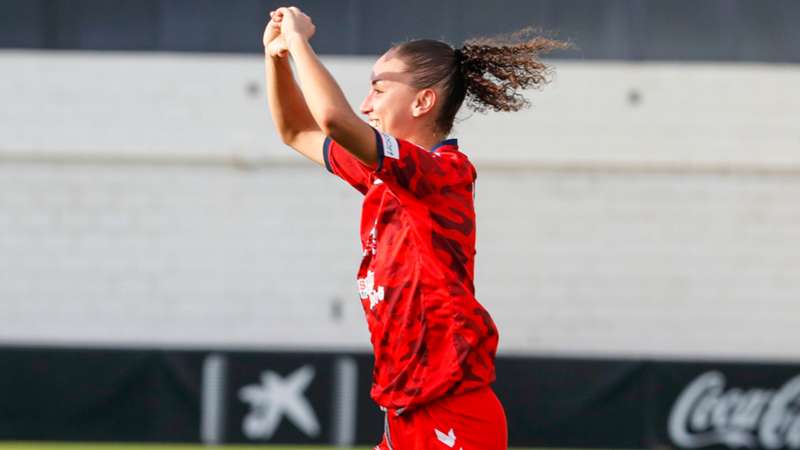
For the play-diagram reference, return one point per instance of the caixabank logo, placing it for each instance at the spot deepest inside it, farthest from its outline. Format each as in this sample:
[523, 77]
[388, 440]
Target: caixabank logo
[712, 412]
[276, 398]
[289, 398]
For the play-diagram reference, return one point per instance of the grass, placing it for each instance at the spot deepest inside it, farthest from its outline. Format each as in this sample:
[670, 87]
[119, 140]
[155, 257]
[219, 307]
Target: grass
[120, 446]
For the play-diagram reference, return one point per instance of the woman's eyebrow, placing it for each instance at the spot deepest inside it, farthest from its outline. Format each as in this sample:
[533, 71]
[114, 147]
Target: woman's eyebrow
[388, 76]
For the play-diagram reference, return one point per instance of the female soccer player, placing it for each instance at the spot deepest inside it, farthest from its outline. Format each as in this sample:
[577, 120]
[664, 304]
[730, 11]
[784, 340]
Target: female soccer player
[434, 343]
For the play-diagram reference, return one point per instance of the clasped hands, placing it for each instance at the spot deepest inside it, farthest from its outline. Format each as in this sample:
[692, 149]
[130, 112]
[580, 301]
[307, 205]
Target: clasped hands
[285, 24]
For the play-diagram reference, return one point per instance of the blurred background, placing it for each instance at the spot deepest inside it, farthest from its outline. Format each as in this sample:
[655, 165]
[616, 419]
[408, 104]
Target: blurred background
[171, 272]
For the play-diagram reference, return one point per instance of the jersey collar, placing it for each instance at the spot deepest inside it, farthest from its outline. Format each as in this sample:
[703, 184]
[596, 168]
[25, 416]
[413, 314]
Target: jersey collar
[447, 142]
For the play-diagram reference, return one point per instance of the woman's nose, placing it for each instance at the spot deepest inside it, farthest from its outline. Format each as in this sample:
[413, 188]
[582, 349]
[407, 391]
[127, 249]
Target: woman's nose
[366, 105]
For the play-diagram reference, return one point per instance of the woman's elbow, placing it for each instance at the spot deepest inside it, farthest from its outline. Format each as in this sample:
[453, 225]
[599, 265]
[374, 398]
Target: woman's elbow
[288, 137]
[331, 122]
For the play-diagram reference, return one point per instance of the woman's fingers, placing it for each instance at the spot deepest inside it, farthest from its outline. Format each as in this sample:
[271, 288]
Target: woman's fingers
[276, 16]
[291, 10]
[273, 28]
[277, 48]
[295, 20]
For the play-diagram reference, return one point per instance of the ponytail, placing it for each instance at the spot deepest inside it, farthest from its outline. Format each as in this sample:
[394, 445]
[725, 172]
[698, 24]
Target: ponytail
[488, 73]
[495, 70]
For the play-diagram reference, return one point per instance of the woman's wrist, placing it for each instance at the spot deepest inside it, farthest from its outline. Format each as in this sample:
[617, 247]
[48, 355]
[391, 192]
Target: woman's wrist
[277, 49]
[293, 38]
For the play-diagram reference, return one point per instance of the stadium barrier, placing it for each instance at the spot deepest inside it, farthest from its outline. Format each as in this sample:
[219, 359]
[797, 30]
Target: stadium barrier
[322, 398]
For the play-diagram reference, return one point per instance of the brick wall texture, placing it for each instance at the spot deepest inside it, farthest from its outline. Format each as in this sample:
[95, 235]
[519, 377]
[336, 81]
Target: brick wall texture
[635, 209]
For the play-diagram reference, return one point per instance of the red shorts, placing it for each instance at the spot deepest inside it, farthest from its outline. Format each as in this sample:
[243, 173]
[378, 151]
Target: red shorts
[471, 421]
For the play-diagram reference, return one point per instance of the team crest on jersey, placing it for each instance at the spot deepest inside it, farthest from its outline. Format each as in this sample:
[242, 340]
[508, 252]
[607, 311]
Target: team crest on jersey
[372, 243]
[367, 290]
[390, 146]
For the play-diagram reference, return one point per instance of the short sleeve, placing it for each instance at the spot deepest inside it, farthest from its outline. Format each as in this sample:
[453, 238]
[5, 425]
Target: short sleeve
[417, 170]
[341, 163]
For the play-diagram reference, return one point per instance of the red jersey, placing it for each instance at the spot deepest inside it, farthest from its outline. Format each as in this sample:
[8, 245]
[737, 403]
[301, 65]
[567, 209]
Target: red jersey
[430, 335]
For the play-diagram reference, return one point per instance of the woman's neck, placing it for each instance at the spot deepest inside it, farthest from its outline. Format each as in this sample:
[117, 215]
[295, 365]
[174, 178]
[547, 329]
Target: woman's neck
[426, 140]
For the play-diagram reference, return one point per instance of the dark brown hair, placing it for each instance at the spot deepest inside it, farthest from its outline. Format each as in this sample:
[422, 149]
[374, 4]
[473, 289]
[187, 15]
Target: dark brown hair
[486, 72]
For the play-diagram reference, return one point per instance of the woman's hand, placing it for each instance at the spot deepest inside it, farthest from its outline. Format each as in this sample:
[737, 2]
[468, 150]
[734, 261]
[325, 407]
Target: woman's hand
[274, 44]
[295, 23]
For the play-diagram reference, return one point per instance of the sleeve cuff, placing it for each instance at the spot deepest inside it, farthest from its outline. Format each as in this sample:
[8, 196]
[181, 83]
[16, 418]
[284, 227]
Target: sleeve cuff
[326, 148]
[379, 149]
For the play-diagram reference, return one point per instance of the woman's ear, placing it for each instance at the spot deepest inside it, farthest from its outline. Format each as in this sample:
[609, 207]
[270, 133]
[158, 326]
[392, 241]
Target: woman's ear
[424, 102]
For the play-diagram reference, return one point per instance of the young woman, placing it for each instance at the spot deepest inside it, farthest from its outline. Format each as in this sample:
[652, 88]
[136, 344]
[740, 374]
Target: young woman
[434, 343]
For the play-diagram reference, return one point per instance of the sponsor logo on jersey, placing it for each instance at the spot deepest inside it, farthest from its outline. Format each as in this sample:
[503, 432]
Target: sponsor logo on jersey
[366, 290]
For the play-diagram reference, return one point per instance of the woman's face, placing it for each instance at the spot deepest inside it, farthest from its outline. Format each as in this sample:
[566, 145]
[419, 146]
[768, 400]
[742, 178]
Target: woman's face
[389, 106]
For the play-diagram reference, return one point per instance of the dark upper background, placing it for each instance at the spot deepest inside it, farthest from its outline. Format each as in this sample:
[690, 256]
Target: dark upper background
[673, 30]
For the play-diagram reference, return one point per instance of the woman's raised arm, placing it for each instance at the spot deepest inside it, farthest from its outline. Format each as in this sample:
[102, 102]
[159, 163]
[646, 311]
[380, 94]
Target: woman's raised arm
[291, 116]
[325, 100]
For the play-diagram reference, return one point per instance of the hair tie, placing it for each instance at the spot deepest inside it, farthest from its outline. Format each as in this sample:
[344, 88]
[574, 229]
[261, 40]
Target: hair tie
[459, 56]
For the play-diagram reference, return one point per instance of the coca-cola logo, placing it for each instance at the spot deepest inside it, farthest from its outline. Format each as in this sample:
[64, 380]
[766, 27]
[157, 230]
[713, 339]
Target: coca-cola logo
[707, 414]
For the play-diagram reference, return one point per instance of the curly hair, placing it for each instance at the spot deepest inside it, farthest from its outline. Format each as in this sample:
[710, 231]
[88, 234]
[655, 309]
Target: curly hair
[488, 73]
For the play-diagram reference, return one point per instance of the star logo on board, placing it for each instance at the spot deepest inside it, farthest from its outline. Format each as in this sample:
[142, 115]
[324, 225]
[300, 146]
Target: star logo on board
[276, 397]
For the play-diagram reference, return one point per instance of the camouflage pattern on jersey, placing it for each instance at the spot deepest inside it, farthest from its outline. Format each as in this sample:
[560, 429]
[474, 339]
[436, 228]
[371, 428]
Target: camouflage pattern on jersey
[430, 335]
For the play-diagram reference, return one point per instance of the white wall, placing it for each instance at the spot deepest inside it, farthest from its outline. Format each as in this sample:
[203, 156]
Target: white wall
[146, 200]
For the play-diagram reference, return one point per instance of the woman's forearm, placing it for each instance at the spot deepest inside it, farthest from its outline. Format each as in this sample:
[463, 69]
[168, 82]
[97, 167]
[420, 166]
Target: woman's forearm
[328, 105]
[286, 102]
[324, 98]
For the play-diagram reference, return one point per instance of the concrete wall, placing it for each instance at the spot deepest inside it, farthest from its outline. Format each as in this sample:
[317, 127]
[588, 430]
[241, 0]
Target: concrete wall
[636, 209]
